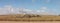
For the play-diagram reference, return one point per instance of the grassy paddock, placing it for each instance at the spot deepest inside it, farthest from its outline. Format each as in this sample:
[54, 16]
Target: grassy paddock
[29, 17]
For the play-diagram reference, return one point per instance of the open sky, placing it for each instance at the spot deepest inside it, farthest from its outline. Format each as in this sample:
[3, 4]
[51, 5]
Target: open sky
[35, 6]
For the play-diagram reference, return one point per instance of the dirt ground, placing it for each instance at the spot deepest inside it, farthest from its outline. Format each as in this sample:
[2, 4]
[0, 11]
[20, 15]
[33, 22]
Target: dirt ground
[30, 22]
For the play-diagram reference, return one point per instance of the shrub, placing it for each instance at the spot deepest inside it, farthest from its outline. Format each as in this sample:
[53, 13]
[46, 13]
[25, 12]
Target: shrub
[27, 15]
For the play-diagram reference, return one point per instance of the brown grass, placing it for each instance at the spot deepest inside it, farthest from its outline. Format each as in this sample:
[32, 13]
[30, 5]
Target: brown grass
[29, 17]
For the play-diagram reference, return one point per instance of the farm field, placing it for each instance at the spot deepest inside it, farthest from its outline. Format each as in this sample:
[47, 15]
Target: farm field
[30, 22]
[28, 17]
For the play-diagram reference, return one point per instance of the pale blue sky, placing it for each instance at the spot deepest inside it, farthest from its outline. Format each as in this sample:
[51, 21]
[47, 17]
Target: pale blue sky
[50, 5]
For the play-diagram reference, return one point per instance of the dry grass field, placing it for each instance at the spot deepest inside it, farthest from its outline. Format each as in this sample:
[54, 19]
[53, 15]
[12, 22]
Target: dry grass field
[30, 22]
[28, 17]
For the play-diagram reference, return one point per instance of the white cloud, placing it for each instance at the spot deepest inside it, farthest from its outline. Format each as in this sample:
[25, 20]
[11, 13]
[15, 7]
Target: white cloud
[7, 6]
[6, 9]
[9, 9]
[54, 9]
[43, 9]
[27, 10]
[38, 10]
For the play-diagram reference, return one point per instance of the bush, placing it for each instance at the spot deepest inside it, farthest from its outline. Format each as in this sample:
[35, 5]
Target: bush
[38, 16]
[27, 15]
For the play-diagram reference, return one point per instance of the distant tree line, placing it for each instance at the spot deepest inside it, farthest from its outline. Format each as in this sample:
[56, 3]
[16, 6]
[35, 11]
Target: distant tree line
[28, 16]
